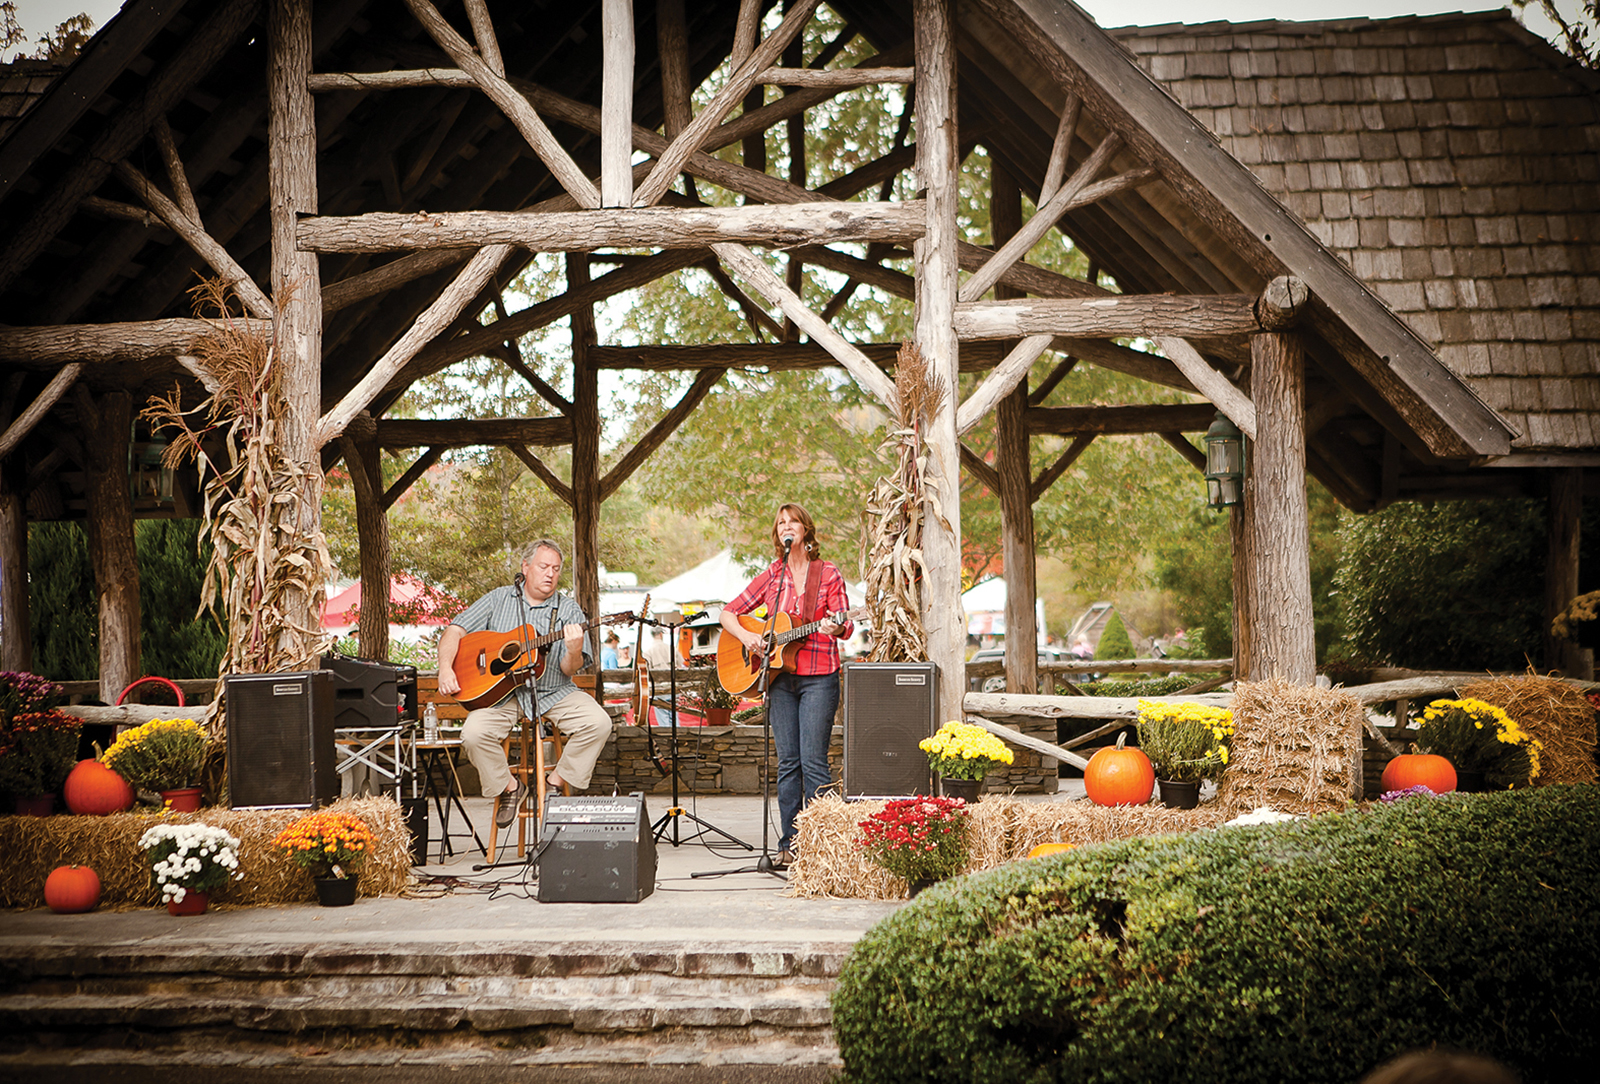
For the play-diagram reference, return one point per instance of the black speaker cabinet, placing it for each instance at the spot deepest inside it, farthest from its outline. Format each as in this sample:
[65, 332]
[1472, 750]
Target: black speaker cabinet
[596, 850]
[280, 740]
[888, 708]
[371, 694]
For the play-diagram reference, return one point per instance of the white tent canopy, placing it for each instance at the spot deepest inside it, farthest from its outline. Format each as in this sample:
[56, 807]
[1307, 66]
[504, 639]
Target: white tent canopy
[985, 606]
[714, 582]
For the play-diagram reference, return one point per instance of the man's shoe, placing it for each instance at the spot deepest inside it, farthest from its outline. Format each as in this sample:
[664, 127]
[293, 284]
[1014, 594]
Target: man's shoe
[505, 810]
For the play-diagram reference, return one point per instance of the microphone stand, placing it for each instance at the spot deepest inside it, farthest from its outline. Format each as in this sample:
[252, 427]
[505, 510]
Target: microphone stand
[531, 859]
[676, 811]
[765, 864]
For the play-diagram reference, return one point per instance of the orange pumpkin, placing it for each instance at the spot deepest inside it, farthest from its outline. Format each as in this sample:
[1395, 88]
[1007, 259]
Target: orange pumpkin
[92, 789]
[71, 890]
[1050, 848]
[1425, 769]
[1118, 776]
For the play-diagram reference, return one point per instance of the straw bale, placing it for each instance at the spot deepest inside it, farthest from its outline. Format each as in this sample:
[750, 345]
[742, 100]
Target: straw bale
[1296, 748]
[832, 864]
[110, 846]
[1555, 713]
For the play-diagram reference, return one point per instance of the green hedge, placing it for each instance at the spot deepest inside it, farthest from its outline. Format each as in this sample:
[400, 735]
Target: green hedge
[1159, 686]
[1308, 951]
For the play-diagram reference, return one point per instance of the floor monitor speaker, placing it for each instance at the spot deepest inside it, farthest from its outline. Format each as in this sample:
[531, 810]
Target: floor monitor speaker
[888, 708]
[596, 850]
[371, 694]
[280, 740]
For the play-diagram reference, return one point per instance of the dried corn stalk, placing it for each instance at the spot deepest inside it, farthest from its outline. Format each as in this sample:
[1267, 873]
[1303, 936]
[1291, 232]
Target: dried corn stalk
[896, 512]
[269, 560]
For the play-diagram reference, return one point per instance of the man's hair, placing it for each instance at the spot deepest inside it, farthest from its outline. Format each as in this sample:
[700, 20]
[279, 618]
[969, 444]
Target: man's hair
[542, 544]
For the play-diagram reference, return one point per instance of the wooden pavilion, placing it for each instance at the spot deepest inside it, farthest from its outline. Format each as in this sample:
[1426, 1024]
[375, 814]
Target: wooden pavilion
[1372, 245]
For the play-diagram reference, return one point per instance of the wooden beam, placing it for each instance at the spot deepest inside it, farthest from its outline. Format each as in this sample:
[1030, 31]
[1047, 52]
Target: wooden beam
[616, 104]
[542, 471]
[979, 468]
[1142, 418]
[585, 456]
[254, 299]
[1027, 741]
[403, 483]
[749, 266]
[511, 354]
[1048, 384]
[1210, 383]
[472, 432]
[52, 393]
[183, 195]
[434, 319]
[516, 107]
[835, 78]
[107, 429]
[1115, 317]
[136, 341]
[746, 32]
[1048, 476]
[754, 315]
[363, 460]
[1563, 532]
[1055, 170]
[745, 74]
[390, 276]
[16, 651]
[1001, 381]
[672, 46]
[648, 227]
[483, 32]
[773, 356]
[1180, 443]
[660, 431]
[1041, 223]
[1080, 707]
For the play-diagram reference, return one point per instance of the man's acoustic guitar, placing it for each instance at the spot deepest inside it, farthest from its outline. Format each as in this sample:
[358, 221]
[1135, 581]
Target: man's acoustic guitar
[489, 665]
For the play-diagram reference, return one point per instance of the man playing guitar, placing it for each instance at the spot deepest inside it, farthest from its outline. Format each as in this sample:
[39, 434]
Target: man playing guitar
[531, 600]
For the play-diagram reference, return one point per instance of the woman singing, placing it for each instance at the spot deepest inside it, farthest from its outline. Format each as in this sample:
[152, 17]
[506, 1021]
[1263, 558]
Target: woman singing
[801, 704]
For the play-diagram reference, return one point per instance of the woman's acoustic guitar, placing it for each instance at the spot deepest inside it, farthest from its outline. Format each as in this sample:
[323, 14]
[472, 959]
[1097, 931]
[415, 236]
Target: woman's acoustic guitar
[738, 667]
[489, 665]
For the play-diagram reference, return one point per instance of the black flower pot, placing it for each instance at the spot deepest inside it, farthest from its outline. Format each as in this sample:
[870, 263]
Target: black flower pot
[337, 891]
[1178, 794]
[965, 789]
[1471, 782]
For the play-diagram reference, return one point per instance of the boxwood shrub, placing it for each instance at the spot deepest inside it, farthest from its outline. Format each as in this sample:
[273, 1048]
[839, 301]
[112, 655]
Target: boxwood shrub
[1304, 951]
[1156, 686]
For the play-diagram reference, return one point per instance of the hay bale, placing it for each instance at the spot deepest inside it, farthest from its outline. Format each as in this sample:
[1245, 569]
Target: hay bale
[1556, 714]
[832, 864]
[1296, 748]
[110, 845]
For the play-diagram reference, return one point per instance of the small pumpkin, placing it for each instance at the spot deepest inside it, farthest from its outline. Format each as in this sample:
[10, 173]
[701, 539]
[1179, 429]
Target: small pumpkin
[1424, 769]
[1118, 776]
[1050, 848]
[72, 890]
[92, 789]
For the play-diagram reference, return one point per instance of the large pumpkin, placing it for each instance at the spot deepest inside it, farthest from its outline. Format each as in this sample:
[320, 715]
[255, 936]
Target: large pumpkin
[1050, 848]
[1118, 776]
[71, 890]
[1425, 769]
[92, 789]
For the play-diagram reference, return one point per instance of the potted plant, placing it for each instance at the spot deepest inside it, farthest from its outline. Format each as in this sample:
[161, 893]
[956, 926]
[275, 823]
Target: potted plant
[188, 862]
[38, 744]
[330, 846]
[716, 703]
[1580, 621]
[165, 757]
[1485, 745]
[961, 754]
[1186, 743]
[921, 840]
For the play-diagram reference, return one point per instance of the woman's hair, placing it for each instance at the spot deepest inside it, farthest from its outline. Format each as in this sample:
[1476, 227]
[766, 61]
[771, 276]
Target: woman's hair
[808, 540]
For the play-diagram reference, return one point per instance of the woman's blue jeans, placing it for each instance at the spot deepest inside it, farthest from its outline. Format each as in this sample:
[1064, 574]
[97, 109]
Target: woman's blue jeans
[801, 708]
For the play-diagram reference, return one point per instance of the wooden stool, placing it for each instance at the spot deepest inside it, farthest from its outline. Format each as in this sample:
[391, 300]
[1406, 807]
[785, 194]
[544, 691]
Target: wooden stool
[530, 762]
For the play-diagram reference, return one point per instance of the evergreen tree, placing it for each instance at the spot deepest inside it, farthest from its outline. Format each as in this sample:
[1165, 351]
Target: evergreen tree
[1114, 642]
[63, 603]
[175, 640]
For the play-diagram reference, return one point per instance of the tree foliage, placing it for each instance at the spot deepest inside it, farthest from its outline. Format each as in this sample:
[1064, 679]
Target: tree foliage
[59, 46]
[62, 603]
[1115, 643]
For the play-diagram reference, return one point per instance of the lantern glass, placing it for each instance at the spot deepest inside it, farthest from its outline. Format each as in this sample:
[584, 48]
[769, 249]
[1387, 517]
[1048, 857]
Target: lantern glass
[1224, 463]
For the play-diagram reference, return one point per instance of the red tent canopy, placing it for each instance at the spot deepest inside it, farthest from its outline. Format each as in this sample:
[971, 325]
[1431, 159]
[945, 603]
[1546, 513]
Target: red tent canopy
[411, 602]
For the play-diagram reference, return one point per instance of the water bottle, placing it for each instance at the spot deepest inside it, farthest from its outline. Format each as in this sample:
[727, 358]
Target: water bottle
[430, 722]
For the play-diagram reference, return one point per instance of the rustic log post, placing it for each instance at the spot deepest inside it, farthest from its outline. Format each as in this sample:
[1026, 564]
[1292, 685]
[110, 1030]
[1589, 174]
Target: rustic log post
[585, 457]
[938, 163]
[1283, 644]
[1014, 466]
[296, 279]
[16, 626]
[361, 457]
[107, 431]
[1561, 571]
[616, 105]
[1241, 531]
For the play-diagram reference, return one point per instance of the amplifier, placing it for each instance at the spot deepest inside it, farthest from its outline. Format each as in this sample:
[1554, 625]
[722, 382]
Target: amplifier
[280, 740]
[367, 693]
[888, 708]
[596, 850]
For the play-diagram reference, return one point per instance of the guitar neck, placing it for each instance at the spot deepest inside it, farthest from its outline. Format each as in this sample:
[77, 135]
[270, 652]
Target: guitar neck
[539, 643]
[802, 631]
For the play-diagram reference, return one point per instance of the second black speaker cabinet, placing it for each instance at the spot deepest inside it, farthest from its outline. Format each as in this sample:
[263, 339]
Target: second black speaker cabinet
[596, 850]
[888, 708]
[280, 740]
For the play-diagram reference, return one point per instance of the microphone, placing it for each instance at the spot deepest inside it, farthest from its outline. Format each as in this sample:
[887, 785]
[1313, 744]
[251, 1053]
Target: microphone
[518, 580]
[788, 540]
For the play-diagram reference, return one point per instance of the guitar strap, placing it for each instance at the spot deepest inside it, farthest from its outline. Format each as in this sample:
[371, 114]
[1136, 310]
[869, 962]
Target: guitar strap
[808, 604]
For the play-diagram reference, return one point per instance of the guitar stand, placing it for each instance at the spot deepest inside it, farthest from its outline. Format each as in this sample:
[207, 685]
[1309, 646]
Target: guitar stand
[676, 812]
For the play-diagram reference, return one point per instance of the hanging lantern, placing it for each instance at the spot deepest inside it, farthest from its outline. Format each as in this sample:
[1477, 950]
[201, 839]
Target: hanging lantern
[1224, 463]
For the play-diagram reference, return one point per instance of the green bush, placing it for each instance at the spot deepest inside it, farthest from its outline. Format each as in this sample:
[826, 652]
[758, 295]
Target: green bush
[1307, 951]
[1161, 686]
[1114, 642]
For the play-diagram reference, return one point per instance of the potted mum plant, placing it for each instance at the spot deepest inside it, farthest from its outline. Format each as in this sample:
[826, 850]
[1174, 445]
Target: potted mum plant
[165, 757]
[1487, 748]
[331, 846]
[188, 862]
[38, 742]
[920, 840]
[1186, 743]
[961, 754]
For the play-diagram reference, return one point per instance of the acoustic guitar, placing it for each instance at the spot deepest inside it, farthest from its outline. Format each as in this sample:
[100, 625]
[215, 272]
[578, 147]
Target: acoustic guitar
[738, 667]
[641, 669]
[489, 665]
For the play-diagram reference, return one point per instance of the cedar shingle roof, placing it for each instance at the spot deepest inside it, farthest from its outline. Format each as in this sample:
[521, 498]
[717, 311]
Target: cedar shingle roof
[1453, 162]
[22, 83]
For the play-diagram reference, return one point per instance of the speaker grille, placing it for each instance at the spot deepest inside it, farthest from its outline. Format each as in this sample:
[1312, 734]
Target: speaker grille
[888, 708]
[280, 740]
